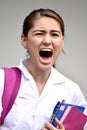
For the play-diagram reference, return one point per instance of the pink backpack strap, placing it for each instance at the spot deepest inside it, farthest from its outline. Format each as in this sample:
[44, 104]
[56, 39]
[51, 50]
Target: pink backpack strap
[11, 86]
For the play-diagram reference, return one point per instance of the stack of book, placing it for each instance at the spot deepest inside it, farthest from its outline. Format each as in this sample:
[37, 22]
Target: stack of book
[70, 115]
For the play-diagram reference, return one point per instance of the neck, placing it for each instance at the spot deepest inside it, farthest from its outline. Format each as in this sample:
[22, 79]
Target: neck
[40, 75]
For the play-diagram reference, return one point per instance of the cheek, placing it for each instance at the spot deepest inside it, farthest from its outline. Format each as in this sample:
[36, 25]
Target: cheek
[33, 48]
[59, 45]
[32, 44]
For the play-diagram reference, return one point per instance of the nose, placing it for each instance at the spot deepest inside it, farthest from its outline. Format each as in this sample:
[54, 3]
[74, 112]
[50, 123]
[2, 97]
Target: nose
[47, 40]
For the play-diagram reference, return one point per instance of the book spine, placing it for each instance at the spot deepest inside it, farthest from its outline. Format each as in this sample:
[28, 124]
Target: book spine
[55, 111]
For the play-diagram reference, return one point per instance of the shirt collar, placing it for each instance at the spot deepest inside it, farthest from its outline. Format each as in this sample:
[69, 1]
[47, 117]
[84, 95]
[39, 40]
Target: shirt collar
[23, 69]
[54, 78]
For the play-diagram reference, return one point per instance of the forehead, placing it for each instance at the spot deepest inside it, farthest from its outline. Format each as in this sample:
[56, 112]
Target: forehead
[46, 22]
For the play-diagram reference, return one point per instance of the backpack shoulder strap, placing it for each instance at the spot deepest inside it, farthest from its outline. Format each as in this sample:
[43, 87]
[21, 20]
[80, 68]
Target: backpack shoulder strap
[11, 86]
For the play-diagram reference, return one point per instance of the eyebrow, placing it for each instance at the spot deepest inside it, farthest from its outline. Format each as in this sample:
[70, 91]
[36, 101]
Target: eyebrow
[56, 31]
[38, 31]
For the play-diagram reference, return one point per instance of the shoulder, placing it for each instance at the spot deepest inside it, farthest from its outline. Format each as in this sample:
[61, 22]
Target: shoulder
[1, 79]
[1, 87]
[71, 88]
[64, 79]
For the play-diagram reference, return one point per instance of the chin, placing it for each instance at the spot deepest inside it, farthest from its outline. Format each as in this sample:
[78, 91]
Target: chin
[45, 66]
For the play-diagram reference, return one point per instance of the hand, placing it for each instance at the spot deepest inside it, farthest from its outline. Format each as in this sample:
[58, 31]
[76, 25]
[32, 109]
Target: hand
[49, 126]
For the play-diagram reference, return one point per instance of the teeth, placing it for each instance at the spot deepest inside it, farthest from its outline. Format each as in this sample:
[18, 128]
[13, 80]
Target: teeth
[46, 49]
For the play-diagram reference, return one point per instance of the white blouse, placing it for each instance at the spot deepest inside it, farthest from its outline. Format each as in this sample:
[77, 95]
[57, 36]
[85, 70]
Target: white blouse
[30, 111]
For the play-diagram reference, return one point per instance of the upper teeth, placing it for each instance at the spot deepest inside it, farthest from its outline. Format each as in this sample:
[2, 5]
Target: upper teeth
[46, 49]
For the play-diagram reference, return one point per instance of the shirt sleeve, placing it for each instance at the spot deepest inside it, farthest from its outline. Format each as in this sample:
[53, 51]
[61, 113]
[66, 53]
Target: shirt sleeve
[80, 100]
[1, 87]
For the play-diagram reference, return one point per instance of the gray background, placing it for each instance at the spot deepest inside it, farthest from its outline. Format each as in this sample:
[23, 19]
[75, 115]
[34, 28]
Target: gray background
[74, 63]
[74, 13]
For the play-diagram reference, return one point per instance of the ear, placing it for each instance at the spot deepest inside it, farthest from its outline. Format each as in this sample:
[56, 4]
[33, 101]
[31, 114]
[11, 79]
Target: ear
[63, 46]
[24, 41]
[63, 42]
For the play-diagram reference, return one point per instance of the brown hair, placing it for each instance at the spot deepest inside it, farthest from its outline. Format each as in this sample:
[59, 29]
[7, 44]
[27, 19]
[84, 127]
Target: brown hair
[35, 14]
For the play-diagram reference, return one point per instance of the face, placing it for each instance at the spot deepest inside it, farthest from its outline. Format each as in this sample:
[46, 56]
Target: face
[44, 42]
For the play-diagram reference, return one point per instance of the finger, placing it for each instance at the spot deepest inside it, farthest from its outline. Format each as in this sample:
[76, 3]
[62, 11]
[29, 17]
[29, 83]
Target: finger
[59, 123]
[44, 128]
[49, 126]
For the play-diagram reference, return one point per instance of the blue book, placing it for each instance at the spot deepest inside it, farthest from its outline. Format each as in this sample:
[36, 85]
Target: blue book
[60, 109]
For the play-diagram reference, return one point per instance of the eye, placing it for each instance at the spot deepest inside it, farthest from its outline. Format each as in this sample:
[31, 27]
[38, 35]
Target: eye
[39, 34]
[55, 34]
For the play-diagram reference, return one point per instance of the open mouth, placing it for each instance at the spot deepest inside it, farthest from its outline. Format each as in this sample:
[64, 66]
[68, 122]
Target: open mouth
[46, 53]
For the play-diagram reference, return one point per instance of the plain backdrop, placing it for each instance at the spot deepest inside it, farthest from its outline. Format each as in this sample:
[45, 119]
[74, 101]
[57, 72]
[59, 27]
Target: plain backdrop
[74, 13]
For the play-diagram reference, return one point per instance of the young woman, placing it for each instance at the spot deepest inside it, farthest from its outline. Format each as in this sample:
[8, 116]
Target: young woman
[42, 86]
